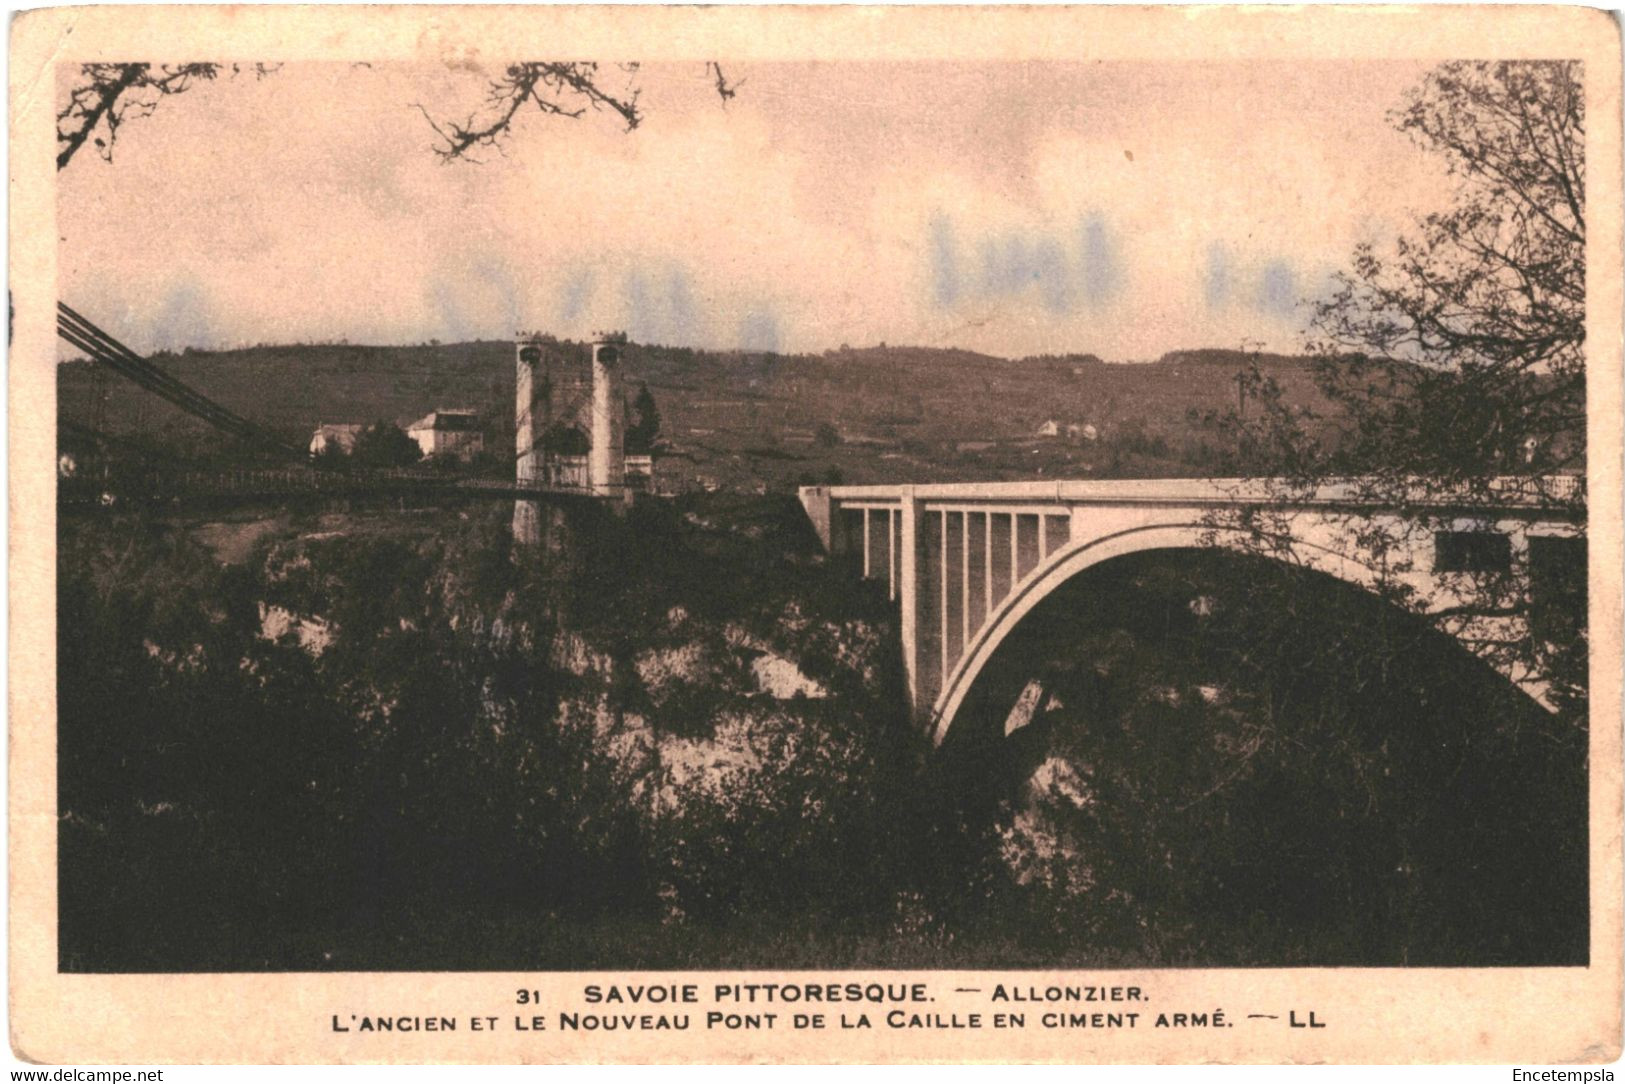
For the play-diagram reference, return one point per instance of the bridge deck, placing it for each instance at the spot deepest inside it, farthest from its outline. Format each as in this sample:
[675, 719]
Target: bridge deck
[1509, 492]
[255, 484]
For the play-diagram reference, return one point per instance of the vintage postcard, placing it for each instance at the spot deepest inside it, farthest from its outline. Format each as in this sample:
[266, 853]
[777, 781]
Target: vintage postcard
[662, 534]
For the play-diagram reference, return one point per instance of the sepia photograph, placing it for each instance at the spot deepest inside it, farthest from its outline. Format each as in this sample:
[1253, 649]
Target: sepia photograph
[1081, 518]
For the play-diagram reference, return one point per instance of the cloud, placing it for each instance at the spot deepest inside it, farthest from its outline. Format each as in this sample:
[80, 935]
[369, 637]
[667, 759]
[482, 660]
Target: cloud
[944, 261]
[1216, 285]
[184, 317]
[1277, 289]
[574, 294]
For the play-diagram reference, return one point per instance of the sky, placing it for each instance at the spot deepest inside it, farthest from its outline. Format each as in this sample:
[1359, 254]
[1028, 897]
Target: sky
[1117, 208]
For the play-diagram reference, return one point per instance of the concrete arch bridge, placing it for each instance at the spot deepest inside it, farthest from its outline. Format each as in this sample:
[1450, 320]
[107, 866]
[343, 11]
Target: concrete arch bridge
[966, 563]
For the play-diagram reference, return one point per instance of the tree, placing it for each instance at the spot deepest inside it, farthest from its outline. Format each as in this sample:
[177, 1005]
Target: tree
[384, 444]
[1460, 353]
[644, 432]
[1452, 362]
[563, 439]
[332, 456]
[1454, 358]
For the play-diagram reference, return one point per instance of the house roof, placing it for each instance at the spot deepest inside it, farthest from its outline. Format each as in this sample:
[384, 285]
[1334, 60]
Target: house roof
[444, 420]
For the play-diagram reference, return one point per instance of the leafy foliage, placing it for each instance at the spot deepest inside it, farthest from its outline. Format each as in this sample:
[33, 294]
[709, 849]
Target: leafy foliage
[1228, 761]
[643, 435]
[380, 728]
[1460, 353]
[385, 444]
[1224, 753]
[397, 743]
[1454, 361]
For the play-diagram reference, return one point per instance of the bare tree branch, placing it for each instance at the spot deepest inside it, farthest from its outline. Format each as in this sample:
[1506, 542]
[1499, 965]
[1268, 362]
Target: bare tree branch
[725, 90]
[556, 88]
[111, 94]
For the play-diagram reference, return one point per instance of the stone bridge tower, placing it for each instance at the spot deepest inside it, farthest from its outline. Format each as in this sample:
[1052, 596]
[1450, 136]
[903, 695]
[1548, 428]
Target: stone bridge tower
[532, 416]
[606, 464]
[605, 474]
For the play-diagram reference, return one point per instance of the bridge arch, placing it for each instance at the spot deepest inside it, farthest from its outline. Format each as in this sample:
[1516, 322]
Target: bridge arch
[1080, 556]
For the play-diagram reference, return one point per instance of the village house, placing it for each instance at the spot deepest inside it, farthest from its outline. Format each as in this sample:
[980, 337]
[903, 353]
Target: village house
[448, 432]
[341, 437]
[1075, 431]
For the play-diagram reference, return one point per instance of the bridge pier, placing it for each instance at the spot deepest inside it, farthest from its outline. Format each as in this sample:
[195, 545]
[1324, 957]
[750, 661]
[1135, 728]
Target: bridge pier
[907, 590]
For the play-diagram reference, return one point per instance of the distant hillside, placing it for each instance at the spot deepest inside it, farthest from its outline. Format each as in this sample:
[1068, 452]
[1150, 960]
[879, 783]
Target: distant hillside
[743, 420]
[1064, 359]
[1232, 360]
